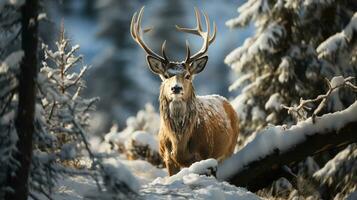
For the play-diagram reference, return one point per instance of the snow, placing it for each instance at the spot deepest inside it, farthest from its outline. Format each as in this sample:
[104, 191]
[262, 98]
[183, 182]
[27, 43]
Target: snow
[144, 172]
[194, 186]
[153, 183]
[42, 16]
[11, 61]
[119, 172]
[339, 40]
[257, 113]
[240, 81]
[71, 188]
[188, 184]
[337, 81]
[142, 129]
[265, 40]
[248, 12]
[284, 70]
[239, 105]
[274, 102]
[201, 167]
[212, 104]
[278, 137]
[144, 138]
[334, 165]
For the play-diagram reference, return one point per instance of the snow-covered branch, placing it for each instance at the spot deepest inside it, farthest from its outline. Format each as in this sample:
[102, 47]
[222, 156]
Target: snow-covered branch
[260, 162]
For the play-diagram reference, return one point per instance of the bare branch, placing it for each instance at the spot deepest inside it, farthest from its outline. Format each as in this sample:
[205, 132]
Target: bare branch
[333, 85]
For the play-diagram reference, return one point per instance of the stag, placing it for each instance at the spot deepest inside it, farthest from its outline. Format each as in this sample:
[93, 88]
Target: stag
[192, 127]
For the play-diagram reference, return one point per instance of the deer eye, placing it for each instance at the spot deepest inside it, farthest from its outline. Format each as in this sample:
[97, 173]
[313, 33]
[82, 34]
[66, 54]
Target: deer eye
[187, 76]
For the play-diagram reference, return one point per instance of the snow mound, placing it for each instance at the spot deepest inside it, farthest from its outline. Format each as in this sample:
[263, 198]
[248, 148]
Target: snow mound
[144, 138]
[142, 128]
[188, 184]
[119, 172]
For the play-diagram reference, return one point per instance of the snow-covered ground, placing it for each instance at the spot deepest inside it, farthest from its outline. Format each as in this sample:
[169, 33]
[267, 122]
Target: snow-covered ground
[153, 183]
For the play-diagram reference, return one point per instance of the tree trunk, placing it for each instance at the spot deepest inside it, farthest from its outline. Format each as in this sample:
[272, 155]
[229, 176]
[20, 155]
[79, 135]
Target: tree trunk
[260, 173]
[24, 121]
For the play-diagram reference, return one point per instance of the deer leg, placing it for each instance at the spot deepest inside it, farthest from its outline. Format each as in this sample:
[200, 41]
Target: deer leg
[172, 167]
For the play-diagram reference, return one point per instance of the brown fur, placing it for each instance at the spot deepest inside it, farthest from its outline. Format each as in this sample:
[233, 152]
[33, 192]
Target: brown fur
[192, 130]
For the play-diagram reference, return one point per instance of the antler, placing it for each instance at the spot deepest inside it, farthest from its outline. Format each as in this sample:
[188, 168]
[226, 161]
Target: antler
[198, 31]
[137, 32]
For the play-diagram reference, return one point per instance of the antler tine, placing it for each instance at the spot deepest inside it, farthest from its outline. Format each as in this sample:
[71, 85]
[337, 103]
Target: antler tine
[198, 19]
[214, 33]
[198, 31]
[163, 50]
[187, 51]
[136, 33]
[132, 31]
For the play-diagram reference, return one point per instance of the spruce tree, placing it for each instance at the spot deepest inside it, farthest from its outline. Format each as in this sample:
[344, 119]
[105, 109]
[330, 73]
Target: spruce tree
[295, 46]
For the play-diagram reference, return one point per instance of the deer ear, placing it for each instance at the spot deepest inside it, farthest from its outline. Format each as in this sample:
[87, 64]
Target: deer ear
[198, 65]
[155, 65]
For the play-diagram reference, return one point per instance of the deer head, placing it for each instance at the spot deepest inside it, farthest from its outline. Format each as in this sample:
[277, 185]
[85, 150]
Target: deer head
[176, 76]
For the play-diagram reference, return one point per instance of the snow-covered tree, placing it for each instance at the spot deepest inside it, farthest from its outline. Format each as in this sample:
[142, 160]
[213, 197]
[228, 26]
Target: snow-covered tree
[296, 45]
[61, 116]
[62, 121]
[18, 69]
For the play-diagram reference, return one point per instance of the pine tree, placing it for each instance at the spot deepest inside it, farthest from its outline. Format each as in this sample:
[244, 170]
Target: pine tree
[296, 45]
[61, 125]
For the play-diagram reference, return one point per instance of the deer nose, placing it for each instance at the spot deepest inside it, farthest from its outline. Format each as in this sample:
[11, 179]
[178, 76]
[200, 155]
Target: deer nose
[176, 89]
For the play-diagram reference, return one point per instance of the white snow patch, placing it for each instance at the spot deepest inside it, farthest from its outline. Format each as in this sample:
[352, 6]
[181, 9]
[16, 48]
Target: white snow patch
[274, 102]
[284, 70]
[335, 164]
[339, 40]
[144, 127]
[119, 172]
[238, 83]
[214, 102]
[144, 138]
[188, 184]
[337, 81]
[257, 113]
[265, 40]
[249, 11]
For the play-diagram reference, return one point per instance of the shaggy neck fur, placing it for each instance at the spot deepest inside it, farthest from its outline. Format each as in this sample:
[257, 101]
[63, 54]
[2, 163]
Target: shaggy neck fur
[179, 116]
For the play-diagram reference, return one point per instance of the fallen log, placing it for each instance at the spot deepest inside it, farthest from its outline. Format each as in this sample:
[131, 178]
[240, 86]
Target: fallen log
[261, 161]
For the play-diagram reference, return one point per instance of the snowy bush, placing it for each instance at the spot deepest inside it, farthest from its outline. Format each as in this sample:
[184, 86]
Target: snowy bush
[139, 140]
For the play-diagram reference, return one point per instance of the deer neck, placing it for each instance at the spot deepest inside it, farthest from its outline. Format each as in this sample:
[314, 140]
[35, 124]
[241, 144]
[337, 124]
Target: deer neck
[179, 116]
